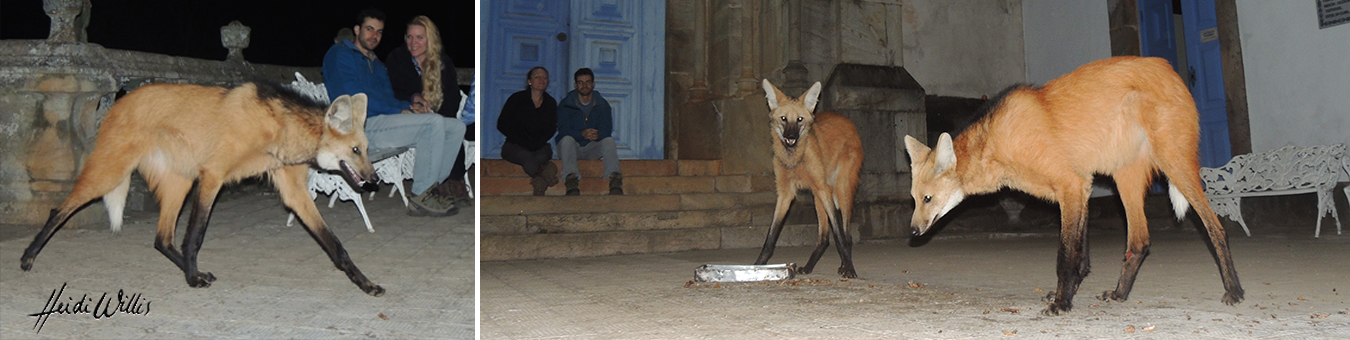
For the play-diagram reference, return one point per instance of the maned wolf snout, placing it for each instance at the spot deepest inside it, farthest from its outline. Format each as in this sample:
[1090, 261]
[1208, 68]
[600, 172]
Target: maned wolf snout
[820, 152]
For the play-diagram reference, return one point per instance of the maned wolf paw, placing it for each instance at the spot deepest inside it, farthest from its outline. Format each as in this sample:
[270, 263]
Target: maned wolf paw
[374, 290]
[848, 272]
[1056, 308]
[1111, 295]
[201, 280]
[1232, 298]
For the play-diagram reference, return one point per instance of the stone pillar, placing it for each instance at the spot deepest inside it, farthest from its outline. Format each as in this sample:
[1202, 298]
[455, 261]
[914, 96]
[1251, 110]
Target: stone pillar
[886, 104]
[69, 19]
[235, 38]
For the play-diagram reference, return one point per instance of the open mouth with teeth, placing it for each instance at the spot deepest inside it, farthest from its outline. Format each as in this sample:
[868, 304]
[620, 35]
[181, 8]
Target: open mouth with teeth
[354, 177]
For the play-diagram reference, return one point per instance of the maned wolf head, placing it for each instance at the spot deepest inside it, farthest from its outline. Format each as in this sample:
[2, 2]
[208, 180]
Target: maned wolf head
[936, 190]
[343, 144]
[791, 118]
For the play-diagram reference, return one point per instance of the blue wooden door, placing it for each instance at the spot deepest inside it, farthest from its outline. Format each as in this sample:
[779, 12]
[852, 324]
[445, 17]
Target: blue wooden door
[1156, 31]
[1205, 77]
[518, 35]
[623, 42]
[1204, 71]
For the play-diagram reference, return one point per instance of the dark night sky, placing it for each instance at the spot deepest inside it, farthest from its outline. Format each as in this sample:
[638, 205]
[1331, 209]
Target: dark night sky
[284, 32]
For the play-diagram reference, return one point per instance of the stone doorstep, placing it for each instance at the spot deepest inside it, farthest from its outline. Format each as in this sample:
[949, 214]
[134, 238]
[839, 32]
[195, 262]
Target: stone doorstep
[532, 205]
[567, 245]
[590, 222]
[630, 168]
[635, 185]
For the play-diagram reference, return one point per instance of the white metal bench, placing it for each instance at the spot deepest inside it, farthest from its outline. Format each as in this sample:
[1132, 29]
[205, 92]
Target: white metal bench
[1289, 170]
[393, 166]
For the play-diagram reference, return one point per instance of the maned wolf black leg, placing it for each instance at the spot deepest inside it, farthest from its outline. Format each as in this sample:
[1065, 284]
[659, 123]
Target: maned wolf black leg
[1072, 265]
[823, 233]
[844, 242]
[171, 190]
[207, 189]
[776, 227]
[1185, 177]
[290, 182]
[1131, 183]
[55, 220]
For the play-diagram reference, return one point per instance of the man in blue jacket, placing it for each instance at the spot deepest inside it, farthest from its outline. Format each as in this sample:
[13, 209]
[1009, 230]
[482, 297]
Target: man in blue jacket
[585, 124]
[351, 67]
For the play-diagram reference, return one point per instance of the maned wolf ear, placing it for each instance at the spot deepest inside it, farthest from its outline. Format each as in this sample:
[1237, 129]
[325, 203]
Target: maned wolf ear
[359, 103]
[772, 94]
[917, 151]
[946, 156]
[339, 115]
[809, 99]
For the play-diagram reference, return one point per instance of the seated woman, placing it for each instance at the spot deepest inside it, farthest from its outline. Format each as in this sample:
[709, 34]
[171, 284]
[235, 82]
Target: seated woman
[528, 120]
[420, 72]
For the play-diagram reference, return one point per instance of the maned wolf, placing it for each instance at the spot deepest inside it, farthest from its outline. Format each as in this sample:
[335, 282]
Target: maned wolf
[175, 134]
[820, 152]
[1127, 117]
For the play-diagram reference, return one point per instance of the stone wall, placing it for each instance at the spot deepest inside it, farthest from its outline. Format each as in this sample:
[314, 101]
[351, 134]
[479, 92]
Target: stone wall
[56, 94]
[718, 109]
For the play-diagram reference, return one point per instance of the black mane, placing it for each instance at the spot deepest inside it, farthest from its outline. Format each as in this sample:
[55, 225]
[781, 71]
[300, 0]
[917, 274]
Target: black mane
[289, 97]
[988, 108]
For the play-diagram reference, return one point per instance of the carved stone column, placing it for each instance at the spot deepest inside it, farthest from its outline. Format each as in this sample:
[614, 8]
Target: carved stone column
[235, 38]
[69, 19]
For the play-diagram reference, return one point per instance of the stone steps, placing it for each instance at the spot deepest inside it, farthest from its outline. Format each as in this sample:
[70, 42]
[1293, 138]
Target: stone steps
[668, 206]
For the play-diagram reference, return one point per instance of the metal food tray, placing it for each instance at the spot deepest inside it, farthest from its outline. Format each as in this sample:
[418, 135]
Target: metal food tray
[744, 273]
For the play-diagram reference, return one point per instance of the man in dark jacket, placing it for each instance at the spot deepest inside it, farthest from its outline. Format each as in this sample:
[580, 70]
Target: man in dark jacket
[585, 125]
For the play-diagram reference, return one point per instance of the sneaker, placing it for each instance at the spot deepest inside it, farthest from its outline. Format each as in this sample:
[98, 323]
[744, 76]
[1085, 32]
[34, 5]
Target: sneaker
[616, 184]
[572, 185]
[428, 204]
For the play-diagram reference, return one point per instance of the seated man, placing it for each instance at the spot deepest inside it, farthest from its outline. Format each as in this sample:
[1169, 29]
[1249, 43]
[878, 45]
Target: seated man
[351, 67]
[585, 123]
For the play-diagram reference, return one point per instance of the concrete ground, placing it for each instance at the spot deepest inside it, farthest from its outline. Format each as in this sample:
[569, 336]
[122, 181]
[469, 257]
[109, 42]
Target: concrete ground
[272, 281]
[957, 286]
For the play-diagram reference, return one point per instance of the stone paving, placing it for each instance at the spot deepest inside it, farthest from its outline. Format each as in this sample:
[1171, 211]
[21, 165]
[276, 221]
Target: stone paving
[272, 281]
[979, 287]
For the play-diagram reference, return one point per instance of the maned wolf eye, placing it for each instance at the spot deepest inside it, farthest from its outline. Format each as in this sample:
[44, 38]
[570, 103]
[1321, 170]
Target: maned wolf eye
[784, 118]
[356, 150]
[799, 119]
[927, 198]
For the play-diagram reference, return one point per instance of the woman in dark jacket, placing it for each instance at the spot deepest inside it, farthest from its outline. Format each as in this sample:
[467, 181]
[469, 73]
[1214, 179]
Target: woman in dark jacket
[420, 72]
[528, 120]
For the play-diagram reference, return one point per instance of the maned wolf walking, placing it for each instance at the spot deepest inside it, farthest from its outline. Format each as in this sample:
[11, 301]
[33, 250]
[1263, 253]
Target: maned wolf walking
[175, 134]
[820, 152]
[1127, 117]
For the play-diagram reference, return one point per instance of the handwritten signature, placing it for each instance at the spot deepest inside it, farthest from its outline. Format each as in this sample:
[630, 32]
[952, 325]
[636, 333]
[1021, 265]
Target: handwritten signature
[104, 307]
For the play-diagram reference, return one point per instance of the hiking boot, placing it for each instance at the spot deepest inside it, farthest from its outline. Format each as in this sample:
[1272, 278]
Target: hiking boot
[616, 184]
[428, 204]
[458, 191]
[537, 182]
[549, 173]
[572, 185]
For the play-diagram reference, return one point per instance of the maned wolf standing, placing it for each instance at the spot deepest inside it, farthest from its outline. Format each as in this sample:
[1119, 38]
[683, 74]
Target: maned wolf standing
[1127, 117]
[820, 152]
[175, 134]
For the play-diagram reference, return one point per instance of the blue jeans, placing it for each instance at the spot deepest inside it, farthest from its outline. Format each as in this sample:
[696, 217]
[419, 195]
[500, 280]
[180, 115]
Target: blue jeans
[437, 140]
[569, 151]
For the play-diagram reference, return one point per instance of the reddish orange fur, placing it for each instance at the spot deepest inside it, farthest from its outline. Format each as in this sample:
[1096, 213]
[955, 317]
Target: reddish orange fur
[825, 160]
[1127, 117]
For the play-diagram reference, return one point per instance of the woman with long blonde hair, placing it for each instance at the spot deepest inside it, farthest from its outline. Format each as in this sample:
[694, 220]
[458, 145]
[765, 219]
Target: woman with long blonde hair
[420, 72]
